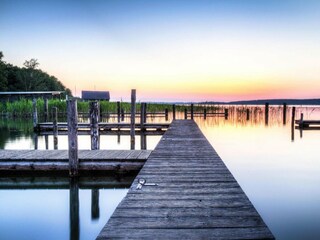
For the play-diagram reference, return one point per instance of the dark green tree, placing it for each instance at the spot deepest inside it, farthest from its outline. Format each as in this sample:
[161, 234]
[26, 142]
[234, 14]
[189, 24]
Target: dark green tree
[3, 75]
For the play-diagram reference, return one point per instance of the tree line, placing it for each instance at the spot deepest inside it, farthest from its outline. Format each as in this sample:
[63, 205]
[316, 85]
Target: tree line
[27, 78]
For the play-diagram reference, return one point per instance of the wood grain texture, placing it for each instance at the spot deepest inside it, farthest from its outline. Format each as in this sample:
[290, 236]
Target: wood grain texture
[195, 197]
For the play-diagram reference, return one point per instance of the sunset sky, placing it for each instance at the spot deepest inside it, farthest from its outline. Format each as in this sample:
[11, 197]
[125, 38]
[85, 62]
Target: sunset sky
[215, 50]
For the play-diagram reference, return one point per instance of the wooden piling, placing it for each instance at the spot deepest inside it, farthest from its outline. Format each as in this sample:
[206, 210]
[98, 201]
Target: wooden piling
[166, 114]
[35, 114]
[122, 114]
[46, 110]
[132, 119]
[145, 113]
[284, 113]
[248, 114]
[185, 113]
[46, 140]
[73, 137]
[55, 127]
[191, 110]
[266, 113]
[173, 111]
[118, 111]
[143, 141]
[94, 127]
[95, 211]
[301, 121]
[293, 115]
[142, 116]
[205, 113]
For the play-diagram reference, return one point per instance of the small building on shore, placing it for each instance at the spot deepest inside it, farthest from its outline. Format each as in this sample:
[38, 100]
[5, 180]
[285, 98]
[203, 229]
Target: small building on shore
[13, 96]
[95, 95]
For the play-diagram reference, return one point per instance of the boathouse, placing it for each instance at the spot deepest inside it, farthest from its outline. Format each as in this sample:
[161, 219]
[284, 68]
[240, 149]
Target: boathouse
[95, 95]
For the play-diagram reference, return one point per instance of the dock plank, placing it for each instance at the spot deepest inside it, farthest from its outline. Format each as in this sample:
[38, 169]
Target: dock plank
[195, 196]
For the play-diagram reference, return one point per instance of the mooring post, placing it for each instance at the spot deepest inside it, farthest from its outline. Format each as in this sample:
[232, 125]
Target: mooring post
[142, 116]
[55, 127]
[94, 125]
[118, 111]
[226, 113]
[284, 113]
[46, 110]
[293, 122]
[266, 113]
[166, 114]
[133, 117]
[95, 211]
[248, 114]
[174, 112]
[143, 141]
[301, 121]
[74, 209]
[72, 116]
[46, 139]
[185, 113]
[191, 110]
[145, 113]
[122, 114]
[35, 114]
[35, 141]
[205, 113]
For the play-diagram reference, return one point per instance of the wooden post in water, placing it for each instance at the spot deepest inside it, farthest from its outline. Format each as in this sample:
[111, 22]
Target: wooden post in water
[132, 119]
[145, 113]
[72, 115]
[266, 113]
[301, 124]
[35, 141]
[95, 211]
[55, 127]
[118, 111]
[226, 113]
[284, 113]
[46, 139]
[293, 115]
[46, 110]
[122, 114]
[248, 114]
[142, 116]
[35, 114]
[94, 125]
[205, 113]
[191, 110]
[143, 140]
[166, 114]
[185, 113]
[74, 209]
[174, 112]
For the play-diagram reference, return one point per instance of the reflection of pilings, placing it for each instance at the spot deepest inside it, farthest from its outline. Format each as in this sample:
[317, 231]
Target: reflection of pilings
[46, 139]
[132, 119]
[143, 141]
[55, 127]
[74, 209]
[284, 114]
[266, 114]
[118, 137]
[292, 122]
[174, 112]
[94, 127]
[35, 141]
[95, 211]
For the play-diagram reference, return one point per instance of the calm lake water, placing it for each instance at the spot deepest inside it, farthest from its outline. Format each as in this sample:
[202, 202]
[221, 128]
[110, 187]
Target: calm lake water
[279, 173]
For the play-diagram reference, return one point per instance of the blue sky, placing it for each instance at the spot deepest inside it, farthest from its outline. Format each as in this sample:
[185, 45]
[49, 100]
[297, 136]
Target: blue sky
[191, 50]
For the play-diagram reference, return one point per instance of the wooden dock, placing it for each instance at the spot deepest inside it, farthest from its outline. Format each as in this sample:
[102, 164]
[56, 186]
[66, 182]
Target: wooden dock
[57, 160]
[191, 195]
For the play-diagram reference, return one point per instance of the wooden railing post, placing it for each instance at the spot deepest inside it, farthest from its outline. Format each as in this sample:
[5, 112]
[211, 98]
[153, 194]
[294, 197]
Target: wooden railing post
[72, 115]
[132, 119]
[174, 112]
[94, 125]
[55, 127]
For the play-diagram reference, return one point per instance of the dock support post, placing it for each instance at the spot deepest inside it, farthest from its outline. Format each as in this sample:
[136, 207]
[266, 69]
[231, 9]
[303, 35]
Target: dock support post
[73, 137]
[248, 114]
[293, 115]
[122, 114]
[185, 113]
[118, 111]
[74, 209]
[132, 119]
[55, 127]
[174, 112]
[191, 110]
[142, 116]
[284, 113]
[94, 125]
[95, 211]
[205, 113]
[46, 110]
[143, 141]
[226, 113]
[166, 114]
[266, 113]
[35, 114]
[145, 112]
